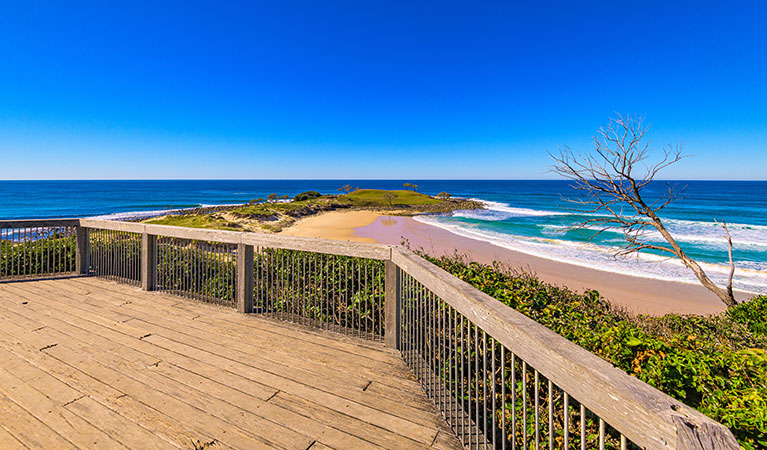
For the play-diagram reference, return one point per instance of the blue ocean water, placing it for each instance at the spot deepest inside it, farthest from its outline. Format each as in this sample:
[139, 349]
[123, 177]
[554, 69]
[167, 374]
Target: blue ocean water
[526, 215]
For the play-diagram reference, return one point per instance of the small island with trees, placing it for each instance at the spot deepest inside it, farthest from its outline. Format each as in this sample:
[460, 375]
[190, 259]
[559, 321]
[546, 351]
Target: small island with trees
[277, 212]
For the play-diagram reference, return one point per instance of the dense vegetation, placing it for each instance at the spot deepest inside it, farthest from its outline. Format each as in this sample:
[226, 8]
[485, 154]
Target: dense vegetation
[715, 364]
[53, 254]
[308, 195]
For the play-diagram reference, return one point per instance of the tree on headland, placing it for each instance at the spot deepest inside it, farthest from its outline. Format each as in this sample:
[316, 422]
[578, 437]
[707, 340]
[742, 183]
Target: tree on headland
[389, 197]
[443, 196]
[347, 188]
[615, 176]
[256, 200]
[271, 198]
[412, 187]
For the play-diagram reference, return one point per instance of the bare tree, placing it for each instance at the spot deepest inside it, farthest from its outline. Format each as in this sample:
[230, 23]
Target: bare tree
[389, 197]
[613, 177]
[347, 188]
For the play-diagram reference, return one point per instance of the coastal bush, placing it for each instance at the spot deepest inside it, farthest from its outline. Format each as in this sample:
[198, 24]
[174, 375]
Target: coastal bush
[52, 253]
[308, 195]
[716, 364]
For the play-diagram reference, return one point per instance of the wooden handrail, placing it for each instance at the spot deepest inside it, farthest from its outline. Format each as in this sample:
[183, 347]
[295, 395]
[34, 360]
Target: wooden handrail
[642, 413]
[345, 248]
[31, 223]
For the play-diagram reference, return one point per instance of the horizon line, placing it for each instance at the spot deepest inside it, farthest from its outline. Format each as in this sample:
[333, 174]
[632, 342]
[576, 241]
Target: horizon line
[355, 179]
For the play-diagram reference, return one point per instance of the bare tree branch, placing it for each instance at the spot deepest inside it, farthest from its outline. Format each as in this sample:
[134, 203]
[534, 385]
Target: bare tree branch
[607, 181]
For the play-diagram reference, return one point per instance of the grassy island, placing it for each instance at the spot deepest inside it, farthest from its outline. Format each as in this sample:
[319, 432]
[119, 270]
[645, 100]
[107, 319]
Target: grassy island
[273, 216]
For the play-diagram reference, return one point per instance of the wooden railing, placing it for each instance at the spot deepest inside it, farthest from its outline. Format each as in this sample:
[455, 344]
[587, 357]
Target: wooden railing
[500, 379]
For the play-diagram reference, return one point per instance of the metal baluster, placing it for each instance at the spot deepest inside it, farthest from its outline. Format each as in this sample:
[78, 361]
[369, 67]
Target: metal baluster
[566, 418]
[537, 414]
[583, 427]
[601, 434]
[493, 410]
[524, 405]
[484, 386]
[551, 417]
[476, 387]
[504, 438]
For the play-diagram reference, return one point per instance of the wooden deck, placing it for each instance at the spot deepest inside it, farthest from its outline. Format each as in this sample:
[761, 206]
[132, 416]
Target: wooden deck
[86, 363]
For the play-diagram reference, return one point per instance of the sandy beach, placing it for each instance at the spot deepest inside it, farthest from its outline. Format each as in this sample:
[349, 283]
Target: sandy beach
[637, 294]
[334, 225]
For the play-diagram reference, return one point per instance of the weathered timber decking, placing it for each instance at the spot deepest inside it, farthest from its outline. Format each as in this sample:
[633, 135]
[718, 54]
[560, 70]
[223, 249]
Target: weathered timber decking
[86, 363]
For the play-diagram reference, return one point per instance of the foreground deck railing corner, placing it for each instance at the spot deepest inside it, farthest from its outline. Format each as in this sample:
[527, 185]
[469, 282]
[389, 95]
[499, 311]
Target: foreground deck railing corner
[499, 379]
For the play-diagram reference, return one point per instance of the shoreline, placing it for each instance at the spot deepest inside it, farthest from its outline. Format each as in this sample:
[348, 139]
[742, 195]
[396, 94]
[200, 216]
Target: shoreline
[640, 295]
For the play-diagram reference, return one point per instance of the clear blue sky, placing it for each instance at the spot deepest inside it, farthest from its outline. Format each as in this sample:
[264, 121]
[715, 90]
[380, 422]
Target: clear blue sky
[367, 89]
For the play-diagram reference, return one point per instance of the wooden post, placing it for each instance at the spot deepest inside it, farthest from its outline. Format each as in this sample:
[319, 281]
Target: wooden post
[82, 251]
[244, 278]
[148, 262]
[392, 305]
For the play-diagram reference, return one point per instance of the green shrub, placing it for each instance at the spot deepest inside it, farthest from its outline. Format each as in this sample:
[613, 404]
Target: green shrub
[753, 314]
[716, 364]
[308, 195]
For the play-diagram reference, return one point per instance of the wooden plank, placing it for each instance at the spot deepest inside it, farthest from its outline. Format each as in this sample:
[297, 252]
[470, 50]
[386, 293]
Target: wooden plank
[297, 369]
[275, 413]
[224, 318]
[27, 429]
[211, 406]
[262, 345]
[163, 402]
[59, 392]
[386, 419]
[118, 402]
[165, 426]
[325, 433]
[347, 423]
[213, 314]
[382, 383]
[118, 427]
[8, 441]
[643, 414]
[53, 414]
[19, 344]
[98, 327]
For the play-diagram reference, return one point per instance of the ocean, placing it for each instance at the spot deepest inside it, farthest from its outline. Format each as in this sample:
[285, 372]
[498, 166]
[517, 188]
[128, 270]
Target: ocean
[530, 216]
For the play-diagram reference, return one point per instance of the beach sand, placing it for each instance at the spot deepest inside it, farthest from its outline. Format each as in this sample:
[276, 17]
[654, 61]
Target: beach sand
[637, 294]
[333, 225]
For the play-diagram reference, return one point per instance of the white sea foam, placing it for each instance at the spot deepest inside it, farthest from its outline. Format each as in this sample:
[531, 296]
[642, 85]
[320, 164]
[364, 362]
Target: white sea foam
[750, 277]
[707, 233]
[516, 212]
